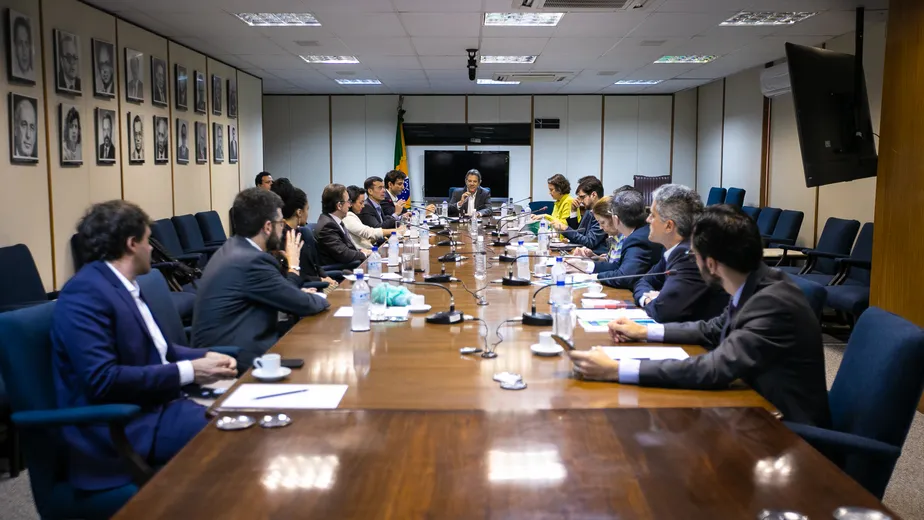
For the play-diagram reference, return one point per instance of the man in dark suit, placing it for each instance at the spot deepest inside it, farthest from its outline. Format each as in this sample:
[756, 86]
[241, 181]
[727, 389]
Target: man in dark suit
[768, 336]
[393, 204]
[588, 232]
[109, 348]
[373, 213]
[242, 291]
[684, 295]
[472, 200]
[334, 243]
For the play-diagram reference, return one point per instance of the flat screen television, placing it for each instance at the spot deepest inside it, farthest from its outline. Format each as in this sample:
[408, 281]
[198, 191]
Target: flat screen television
[832, 116]
[445, 169]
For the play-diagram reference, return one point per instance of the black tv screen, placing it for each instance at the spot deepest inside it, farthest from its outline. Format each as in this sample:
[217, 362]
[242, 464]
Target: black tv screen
[832, 116]
[445, 169]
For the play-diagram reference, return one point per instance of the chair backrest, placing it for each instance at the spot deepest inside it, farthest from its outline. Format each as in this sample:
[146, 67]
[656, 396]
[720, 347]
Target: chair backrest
[735, 197]
[548, 204]
[187, 228]
[163, 231]
[788, 225]
[20, 281]
[77, 252]
[836, 237]
[210, 226]
[156, 294]
[716, 196]
[751, 211]
[766, 221]
[647, 185]
[862, 250]
[814, 293]
[307, 232]
[453, 190]
[877, 389]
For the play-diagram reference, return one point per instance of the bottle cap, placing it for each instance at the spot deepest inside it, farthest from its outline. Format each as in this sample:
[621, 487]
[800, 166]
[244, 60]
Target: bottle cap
[559, 259]
[560, 283]
[375, 249]
[358, 273]
[393, 233]
[520, 242]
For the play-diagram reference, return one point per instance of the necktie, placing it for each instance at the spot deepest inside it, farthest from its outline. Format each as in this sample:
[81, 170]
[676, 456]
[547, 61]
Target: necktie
[378, 211]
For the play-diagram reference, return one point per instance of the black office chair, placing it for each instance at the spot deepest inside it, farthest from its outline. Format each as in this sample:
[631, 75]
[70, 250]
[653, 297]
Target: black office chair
[165, 233]
[835, 242]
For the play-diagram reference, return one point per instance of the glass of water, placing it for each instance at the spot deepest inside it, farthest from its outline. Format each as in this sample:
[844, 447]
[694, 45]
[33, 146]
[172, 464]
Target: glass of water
[377, 308]
[563, 320]
[407, 265]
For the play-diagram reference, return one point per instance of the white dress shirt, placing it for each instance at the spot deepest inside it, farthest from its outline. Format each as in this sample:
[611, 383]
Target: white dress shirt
[471, 204]
[187, 374]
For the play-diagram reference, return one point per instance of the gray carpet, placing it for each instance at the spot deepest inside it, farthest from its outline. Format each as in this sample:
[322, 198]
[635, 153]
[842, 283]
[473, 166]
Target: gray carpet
[905, 494]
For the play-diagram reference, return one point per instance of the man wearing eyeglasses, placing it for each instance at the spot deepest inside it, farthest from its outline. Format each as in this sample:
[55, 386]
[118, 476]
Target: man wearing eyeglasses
[334, 243]
[588, 232]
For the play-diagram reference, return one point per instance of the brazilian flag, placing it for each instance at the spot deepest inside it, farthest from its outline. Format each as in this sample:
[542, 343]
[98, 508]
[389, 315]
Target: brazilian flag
[401, 154]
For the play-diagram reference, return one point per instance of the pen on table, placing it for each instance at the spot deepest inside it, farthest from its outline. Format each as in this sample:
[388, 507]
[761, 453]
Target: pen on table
[278, 395]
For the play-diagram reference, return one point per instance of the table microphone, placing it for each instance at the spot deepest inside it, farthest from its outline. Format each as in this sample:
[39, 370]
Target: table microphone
[519, 282]
[440, 318]
[508, 259]
[543, 319]
[517, 215]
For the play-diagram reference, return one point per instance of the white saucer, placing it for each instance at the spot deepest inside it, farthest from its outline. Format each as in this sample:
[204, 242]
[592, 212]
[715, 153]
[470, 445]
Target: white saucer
[278, 376]
[551, 350]
[423, 308]
[593, 296]
[393, 265]
[390, 276]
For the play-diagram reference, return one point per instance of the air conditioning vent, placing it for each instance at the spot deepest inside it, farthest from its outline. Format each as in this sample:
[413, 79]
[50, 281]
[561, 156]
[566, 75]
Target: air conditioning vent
[578, 5]
[532, 77]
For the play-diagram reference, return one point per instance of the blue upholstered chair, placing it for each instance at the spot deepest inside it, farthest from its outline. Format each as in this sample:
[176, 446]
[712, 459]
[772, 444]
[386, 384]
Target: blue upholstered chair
[20, 282]
[453, 190]
[535, 207]
[873, 399]
[735, 197]
[187, 229]
[848, 293]
[786, 230]
[26, 365]
[165, 234]
[210, 226]
[835, 242]
[716, 196]
[766, 221]
[334, 270]
[752, 211]
[814, 293]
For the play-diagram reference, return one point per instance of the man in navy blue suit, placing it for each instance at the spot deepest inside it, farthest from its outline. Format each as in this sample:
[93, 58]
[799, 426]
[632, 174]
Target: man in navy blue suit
[108, 348]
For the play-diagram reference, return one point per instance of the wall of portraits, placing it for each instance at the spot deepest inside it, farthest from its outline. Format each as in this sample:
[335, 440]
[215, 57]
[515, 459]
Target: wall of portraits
[112, 114]
[226, 181]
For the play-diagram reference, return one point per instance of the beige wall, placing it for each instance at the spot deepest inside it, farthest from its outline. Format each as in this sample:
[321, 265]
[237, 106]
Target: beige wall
[743, 130]
[709, 137]
[250, 127]
[191, 185]
[225, 176]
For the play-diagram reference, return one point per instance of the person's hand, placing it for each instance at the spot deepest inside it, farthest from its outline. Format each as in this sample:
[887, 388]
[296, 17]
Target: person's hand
[648, 297]
[623, 330]
[575, 205]
[309, 290]
[559, 226]
[594, 364]
[431, 208]
[583, 252]
[402, 229]
[533, 218]
[366, 252]
[329, 280]
[399, 206]
[213, 367]
[293, 249]
[464, 198]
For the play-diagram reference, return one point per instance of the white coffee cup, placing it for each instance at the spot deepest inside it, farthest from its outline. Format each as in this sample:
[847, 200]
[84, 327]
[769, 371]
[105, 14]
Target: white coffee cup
[418, 300]
[269, 363]
[594, 288]
[545, 339]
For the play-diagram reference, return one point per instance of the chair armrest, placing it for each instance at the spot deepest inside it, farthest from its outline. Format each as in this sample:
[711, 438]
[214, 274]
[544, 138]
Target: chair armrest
[104, 413]
[53, 295]
[853, 262]
[779, 242]
[824, 254]
[315, 285]
[214, 243]
[786, 247]
[228, 351]
[844, 443]
[165, 265]
[20, 305]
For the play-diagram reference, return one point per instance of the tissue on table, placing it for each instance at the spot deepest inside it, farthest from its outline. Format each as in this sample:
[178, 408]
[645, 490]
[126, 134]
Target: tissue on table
[391, 295]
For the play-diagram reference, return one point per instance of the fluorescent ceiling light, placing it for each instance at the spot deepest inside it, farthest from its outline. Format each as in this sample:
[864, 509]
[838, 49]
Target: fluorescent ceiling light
[746, 18]
[330, 59]
[508, 59]
[522, 19]
[638, 82]
[482, 81]
[358, 81]
[279, 19]
[694, 58]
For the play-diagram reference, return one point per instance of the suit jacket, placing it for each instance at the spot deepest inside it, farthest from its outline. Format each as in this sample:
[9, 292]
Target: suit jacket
[370, 217]
[103, 353]
[772, 342]
[588, 234]
[334, 245]
[638, 256]
[685, 296]
[104, 154]
[388, 206]
[482, 205]
[239, 299]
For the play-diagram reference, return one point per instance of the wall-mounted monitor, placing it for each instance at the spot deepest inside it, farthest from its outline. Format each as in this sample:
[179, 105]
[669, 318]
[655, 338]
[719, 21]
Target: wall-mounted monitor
[445, 169]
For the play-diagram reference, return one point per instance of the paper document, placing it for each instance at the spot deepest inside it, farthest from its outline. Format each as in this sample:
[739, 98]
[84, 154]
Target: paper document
[317, 396]
[596, 320]
[589, 303]
[653, 353]
[390, 312]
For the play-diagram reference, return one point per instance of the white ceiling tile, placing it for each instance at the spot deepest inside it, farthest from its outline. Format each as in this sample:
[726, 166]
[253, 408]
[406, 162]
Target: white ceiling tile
[292, 75]
[447, 75]
[599, 24]
[661, 71]
[442, 24]
[832, 23]
[379, 46]
[400, 74]
[814, 5]
[678, 24]
[390, 62]
[347, 72]
[201, 22]
[512, 46]
[329, 46]
[563, 61]
[364, 25]
[583, 47]
[444, 46]
[494, 31]
[437, 6]
[489, 68]
[674, 85]
[437, 63]
[274, 61]
[699, 6]
[345, 6]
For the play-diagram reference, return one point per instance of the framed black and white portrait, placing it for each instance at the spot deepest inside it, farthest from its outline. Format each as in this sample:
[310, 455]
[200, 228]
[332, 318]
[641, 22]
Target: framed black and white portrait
[182, 141]
[103, 68]
[182, 85]
[67, 62]
[202, 143]
[23, 128]
[161, 140]
[135, 139]
[232, 144]
[218, 143]
[158, 81]
[216, 95]
[134, 76]
[70, 134]
[105, 128]
[200, 91]
[232, 99]
[20, 47]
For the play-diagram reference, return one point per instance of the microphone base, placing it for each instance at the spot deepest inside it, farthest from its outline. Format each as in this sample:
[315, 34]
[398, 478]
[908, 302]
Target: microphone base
[437, 227]
[507, 259]
[515, 282]
[481, 301]
[443, 243]
[438, 278]
[537, 319]
[449, 257]
[490, 226]
[498, 243]
[445, 318]
[489, 354]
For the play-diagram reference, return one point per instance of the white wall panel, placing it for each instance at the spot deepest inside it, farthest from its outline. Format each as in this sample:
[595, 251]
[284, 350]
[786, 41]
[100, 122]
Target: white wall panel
[514, 109]
[620, 141]
[744, 114]
[277, 137]
[484, 109]
[381, 123]
[348, 139]
[550, 147]
[654, 135]
[709, 143]
[787, 178]
[585, 132]
[684, 162]
[434, 109]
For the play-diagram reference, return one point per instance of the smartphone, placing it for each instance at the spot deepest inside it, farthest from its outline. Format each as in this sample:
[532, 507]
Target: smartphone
[292, 363]
[564, 343]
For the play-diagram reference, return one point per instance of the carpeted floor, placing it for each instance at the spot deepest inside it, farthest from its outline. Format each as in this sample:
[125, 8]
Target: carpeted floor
[905, 494]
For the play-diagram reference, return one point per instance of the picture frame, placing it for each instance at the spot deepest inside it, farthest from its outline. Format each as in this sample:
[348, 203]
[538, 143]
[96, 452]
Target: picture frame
[182, 141]
[135, 138]
[218, 143]
[134, 76]
[70, 134]
[216, 95]
[20, 47]
[233, 147]
[158, 82]
[202, 143]
[232, 99]
[181, 87]
[104, 71]
[105, 128]
[24, 129]
[67, 62]
[200, 94]
[161, 140]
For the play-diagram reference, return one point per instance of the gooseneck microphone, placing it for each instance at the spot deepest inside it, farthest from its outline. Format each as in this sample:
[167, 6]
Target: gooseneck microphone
[514, 216]
[507, 258]
[520, 282]
[440, 318]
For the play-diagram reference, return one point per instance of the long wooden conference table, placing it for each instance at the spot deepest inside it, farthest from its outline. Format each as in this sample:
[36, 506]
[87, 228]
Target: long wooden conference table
[425, 432]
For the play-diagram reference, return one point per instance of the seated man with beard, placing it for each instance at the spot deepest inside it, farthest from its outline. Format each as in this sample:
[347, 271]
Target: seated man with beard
[242, 290]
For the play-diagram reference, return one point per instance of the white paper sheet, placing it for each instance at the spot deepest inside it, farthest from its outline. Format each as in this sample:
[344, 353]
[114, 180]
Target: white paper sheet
[317, 396]
[653, 353]
[596, 320]
[390, 312]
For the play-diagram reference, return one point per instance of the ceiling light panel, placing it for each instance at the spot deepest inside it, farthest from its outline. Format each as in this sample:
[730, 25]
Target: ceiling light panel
[330, 59]
[279, 19]
[638, 82]
[508, 59]
[522, 19]
[752, 18]
[358, 81]
[483, 81]
[693, 58]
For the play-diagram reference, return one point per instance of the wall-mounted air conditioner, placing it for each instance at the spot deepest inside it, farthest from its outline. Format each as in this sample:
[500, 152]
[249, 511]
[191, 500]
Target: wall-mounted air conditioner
[774, 81]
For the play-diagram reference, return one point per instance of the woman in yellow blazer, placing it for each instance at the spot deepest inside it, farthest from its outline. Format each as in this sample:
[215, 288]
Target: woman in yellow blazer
[560, 191]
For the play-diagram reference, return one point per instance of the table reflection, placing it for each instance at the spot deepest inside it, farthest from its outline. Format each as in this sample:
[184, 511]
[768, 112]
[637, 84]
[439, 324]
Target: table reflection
[540, 464]
[301, 472]
[773, 470]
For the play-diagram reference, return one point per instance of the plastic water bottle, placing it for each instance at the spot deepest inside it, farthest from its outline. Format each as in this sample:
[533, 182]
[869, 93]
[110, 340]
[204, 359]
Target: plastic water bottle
[444, 208]
[563, 319]
[374, 265]
[473, 225]
[504, 210]
[480, 259]
[359, 298]
[559, 293]
[521, 220]
[540, 267]
[522, 262]
[544, 237]
[393, 253]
